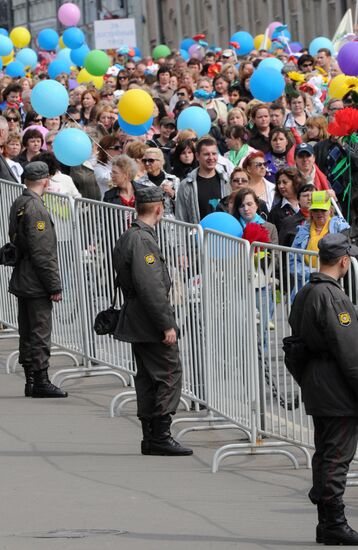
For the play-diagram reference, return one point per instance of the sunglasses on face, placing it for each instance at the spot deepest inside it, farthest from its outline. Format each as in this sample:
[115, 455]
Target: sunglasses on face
[307, 65]
[180, 94]
[122, 77]
[107, 95]
[260, 164]
[115, 148]
[148, 161]
[37, 119]
[12, 119]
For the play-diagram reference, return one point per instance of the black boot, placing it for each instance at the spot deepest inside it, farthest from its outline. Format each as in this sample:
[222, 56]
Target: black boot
[162, 441]
[336, 530]
[29, 380]
[43, 388]
[321, 523]
[147, 435]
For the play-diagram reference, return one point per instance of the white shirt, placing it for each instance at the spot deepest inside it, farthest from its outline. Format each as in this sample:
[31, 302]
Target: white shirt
[63, 184]
[15, 168]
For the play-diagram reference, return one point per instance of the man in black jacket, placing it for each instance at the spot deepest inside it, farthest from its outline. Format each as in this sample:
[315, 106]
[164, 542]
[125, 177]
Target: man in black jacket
[35, 279]
[325, 319]
[147, 321]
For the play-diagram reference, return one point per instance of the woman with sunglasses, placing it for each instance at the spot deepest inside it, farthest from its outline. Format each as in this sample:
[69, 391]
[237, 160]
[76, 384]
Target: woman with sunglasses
[109, 147]
[153, 162]
[122, 80]
[32, 118]
[13, 118]
[255, 165]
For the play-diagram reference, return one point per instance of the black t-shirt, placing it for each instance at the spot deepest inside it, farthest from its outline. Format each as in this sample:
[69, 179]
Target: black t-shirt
[209, 194]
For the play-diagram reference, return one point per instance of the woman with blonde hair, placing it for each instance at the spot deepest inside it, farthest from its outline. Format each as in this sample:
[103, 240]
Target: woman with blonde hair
[236, 117]
[124, 170]
[316, 130]
[105, 117]
[135, 150]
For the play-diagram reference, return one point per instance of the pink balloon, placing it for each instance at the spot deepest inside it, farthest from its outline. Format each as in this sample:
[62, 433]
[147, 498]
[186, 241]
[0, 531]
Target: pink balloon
[196, 52]
[272, 27]
[69, 14]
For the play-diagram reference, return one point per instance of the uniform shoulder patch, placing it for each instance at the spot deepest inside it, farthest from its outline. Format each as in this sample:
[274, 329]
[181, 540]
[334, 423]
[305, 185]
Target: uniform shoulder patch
[149, 259]
[40, 226]
[344, 318]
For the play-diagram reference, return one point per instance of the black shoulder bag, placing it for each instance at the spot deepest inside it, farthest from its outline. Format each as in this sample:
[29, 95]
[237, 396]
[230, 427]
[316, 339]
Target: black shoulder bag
[106, 321]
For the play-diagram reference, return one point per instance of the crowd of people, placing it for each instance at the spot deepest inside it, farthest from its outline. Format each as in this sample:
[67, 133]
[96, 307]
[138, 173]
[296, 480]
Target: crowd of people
[280, 151]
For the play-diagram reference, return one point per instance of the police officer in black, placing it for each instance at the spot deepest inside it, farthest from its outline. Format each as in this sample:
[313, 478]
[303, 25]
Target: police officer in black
[147, 321]
[35, 279]
[325, 319]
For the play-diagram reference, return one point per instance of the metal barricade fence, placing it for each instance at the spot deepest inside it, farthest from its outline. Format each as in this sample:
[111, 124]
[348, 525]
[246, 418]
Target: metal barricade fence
[97, 228]
[8, 307]
[181, 245]
[228, 321]
[67, 322]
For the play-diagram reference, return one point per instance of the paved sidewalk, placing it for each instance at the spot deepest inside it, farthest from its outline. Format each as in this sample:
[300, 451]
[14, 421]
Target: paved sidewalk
[72, 478]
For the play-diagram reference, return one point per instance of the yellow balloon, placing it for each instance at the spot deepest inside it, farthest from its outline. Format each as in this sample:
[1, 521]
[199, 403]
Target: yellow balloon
[136, 106]
[258, 42]
[61, 43]
[84, 77]
[20, 37]
[342, 84]
[8, 58]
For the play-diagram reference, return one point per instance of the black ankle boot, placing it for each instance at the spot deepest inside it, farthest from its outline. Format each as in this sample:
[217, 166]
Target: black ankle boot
[29, 380]
[321, 523]
[147, 435]
[43, 388]
[162, 441]
[336, 530]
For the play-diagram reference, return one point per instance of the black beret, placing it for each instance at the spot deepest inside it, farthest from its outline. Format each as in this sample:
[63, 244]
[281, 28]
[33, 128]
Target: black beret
[149, 194]
[36, 170]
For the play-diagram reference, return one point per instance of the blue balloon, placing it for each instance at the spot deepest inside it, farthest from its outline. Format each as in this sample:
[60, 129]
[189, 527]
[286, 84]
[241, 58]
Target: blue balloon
[135, 129]
[137, 52]
[27, 57]
[194, 118]
[245, 41]
[320, 42]
[184, 54]
[58, 66]
[72, 146]
[272, 62]
[223, 222]
[0, 63]
[267, 84]
[4, 32]
[78, 55]
[15, 69]
[65, 55]
[73, 37]
[49, 98]
[186, 43]
[48, 39]
[6, 46]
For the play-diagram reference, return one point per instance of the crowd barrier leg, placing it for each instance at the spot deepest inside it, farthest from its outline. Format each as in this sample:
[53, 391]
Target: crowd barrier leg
[243, 449]
[85, 372]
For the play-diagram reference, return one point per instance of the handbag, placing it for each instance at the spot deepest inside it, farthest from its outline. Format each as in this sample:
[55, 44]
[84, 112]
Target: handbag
[8, 255]
[106, 320]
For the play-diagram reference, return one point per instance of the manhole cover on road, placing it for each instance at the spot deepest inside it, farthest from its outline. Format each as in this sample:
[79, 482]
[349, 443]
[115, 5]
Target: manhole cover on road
[78, 533]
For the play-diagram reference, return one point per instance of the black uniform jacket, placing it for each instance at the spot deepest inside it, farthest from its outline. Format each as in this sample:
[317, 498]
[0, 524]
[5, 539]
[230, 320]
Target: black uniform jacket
[324, 317]
[36, 272]
[145, 283]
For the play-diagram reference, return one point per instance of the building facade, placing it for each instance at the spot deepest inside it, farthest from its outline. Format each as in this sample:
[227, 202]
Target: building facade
[169, 21]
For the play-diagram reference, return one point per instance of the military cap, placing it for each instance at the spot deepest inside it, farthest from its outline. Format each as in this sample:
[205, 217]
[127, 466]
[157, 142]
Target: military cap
[149, 194]
[335, 245]
[36, 170]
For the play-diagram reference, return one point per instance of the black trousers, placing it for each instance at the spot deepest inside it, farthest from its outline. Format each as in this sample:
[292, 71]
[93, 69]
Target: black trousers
[336, 442]
[35, 324]
[158, 379]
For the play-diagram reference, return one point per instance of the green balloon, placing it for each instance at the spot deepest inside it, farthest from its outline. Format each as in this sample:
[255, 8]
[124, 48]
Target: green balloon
[160, 51]
[97, 63]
